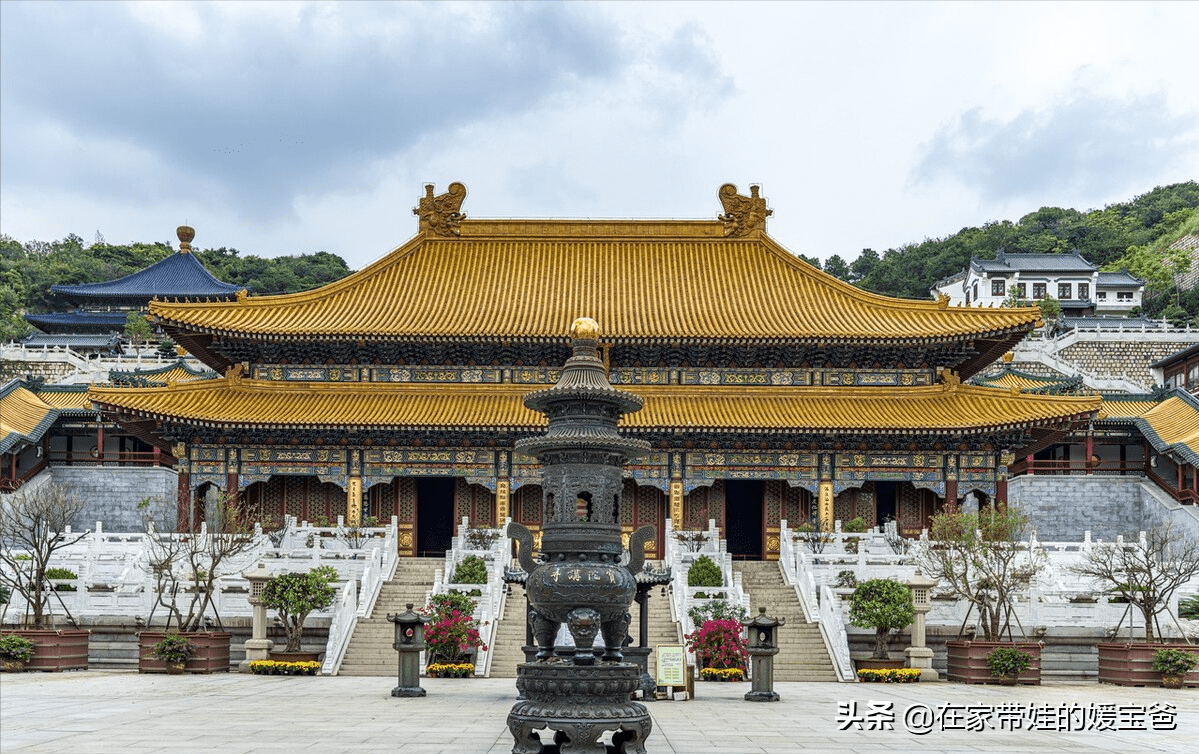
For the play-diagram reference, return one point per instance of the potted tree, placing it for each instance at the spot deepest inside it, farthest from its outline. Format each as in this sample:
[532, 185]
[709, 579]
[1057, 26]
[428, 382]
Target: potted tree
[1145, 574]
[185, 567]
[293, 596]
[1007, 663]
[1173, 664]
[705, 572]
[173, 651]
[979, 557]
[884, 605]
[15, 651]
[34, 527]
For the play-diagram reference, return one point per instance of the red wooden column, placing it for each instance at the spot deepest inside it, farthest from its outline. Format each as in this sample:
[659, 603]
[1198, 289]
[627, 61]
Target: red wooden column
[99, 443]
[951, 491]
[1090, 453]
[184, 498]
[1001, 488]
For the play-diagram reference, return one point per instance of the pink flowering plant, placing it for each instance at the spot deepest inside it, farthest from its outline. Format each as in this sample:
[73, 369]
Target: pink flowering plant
[719, 644]
[452, 632]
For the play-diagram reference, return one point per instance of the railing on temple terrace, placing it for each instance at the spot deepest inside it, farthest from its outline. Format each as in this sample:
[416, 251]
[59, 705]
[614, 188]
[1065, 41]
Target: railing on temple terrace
[1039, 467]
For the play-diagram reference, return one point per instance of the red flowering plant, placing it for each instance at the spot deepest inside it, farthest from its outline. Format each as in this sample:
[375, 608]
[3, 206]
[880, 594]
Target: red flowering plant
[453, 633]
[719, 644]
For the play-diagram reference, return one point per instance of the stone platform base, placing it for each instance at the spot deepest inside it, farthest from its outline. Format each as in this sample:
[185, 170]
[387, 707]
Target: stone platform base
[572, 707]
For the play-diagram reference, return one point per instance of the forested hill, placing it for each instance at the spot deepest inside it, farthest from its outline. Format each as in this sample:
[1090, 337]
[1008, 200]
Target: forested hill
[1133, 234]
[1103, 236]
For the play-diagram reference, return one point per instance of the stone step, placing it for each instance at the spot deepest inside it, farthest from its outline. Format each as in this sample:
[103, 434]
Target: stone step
[370, 652]
[803, 655]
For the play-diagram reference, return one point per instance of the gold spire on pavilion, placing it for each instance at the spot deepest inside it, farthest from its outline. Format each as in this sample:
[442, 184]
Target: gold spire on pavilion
[186, 234]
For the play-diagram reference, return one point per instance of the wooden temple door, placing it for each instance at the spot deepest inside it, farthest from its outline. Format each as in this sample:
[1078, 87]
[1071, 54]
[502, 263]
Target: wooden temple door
[744, 527]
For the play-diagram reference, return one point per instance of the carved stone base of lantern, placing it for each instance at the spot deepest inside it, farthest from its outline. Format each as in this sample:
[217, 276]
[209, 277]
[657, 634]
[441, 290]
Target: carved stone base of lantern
[578, 705]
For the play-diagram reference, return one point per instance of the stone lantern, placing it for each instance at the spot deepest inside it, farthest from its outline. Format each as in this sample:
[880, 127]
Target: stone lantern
[409, 642]
[258, 647]
[763, 646]
[920, 656]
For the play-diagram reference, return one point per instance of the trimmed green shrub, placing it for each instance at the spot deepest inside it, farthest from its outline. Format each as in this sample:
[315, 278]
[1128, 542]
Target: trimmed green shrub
[704, 572]
[471, 570]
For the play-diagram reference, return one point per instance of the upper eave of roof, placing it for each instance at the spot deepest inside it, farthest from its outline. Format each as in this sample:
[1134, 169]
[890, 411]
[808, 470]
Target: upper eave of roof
[644, 280]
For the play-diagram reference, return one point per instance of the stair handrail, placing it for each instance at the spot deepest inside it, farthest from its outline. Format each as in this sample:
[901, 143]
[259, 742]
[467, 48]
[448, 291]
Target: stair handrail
[341, 628]
[832, 629]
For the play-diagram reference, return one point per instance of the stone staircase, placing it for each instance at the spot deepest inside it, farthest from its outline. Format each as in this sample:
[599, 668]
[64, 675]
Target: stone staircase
[510, 634]
[802, 655]
[370, 652]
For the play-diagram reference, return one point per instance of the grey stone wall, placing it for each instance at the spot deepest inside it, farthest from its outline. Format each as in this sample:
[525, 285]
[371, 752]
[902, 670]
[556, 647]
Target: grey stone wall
[1062, 508]
[111, 493]
[1129, 358]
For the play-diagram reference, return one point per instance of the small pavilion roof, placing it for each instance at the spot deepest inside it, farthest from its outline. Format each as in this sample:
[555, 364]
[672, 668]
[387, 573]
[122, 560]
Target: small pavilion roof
[1013, 379]
[178, 371]
[24, 417]
[178, 276]
[103, 342]
[78, 322]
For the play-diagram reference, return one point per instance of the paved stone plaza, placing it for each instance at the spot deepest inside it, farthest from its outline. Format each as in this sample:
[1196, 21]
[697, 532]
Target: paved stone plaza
[101, 712]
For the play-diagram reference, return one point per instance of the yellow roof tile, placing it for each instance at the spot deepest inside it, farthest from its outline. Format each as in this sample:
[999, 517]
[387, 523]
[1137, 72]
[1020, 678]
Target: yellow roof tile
[76, 400]
[641, 279]
[23, 416]
[1176, 422]
[309, 405]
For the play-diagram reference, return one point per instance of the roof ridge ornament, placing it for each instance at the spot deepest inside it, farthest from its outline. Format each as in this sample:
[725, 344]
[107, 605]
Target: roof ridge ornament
[742, 214]
[441, 214]
[186, 234]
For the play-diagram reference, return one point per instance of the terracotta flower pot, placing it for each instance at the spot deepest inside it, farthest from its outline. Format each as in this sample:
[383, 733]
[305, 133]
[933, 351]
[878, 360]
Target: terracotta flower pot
[967, 661]
[1131, 664]
[1172, 681]
[176, 668]
[16, 666]
[56, 650]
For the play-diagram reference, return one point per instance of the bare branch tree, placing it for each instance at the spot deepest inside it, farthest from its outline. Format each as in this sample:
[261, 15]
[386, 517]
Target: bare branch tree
[33, 526]
[1146, 573]
[189, 564]
[980, 558]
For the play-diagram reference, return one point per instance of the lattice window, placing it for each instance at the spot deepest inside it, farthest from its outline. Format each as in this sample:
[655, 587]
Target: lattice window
[865, 505]
[628, 496]
[909, 506]
[716, 501]
[382, 498]
[797, 505]
[695, 509]
[651, 505]
[406, 498]
[774, 499]
[528, 502]
[335, 499]
[844, 505]
[293, 495]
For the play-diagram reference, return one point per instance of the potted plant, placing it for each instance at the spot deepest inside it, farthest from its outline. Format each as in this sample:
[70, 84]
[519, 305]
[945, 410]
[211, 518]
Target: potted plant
[884, 605]
[293, 596]
[705, 572]
[1173, 664]
[15, 651]
[719, 645]
[175, 651]
[185, 567]
[1007, 663]
[1145, 574]
[980, 558]
[34, 526]
[470, 570]
[452, 636]
[856, 525]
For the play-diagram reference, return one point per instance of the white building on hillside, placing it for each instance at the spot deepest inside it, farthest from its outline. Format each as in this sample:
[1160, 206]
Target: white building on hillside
[1078, 285]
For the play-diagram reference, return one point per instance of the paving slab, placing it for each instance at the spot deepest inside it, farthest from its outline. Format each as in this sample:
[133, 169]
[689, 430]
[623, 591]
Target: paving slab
[103, 712]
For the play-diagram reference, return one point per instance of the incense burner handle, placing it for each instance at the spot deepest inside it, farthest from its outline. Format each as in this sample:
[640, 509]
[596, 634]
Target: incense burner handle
[637, 542]
[524, 540]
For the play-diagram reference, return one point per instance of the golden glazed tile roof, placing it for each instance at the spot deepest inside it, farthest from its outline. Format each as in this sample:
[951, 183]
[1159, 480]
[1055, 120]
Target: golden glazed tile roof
[643, 280]
[246, 403]
[23, 416]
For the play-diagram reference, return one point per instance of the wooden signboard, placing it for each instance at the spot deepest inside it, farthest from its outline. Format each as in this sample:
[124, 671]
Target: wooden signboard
[672, 668]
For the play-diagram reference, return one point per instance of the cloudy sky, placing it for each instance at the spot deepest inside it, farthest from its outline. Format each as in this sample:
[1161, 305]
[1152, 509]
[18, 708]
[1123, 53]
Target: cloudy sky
[281, 128]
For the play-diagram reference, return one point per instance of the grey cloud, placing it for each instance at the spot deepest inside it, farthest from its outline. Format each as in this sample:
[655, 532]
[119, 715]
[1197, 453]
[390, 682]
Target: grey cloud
[1087, 142]
[268, 111]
